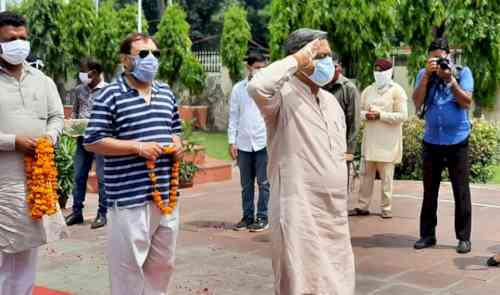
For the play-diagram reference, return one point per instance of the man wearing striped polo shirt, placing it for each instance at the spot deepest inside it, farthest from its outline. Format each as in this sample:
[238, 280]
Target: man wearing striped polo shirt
[131, 120]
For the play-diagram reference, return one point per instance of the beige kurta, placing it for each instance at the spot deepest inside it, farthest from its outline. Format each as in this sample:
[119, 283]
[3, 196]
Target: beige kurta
[312, 251]
[383, 139]
[30, 107]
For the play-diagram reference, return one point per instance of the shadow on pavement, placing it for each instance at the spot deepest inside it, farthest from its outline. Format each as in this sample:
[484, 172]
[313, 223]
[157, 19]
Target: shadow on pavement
[262, 238]
[385, 241]
[210, 224]
[494, 249]
[471, 263]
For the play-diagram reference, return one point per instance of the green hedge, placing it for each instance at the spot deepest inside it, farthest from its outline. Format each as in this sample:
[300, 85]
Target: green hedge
[484, 150]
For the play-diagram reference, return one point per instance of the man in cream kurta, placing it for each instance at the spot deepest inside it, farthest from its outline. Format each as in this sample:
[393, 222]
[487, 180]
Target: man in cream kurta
[383, 111]
[311, 247]
[30, 107]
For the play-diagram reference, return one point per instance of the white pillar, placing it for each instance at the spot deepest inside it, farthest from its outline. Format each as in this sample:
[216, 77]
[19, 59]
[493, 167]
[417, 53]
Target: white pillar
[3, 5]
[139, 16]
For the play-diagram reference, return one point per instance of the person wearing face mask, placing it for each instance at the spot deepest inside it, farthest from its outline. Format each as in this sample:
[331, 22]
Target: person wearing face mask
[131, 121]
[247, 144]
[383, 111]
[83, 96]
[445, 94]
[30, 108]
[311, 246]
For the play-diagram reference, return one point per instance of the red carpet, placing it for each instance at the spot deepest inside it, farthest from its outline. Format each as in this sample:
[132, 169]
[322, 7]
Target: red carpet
[45, 291]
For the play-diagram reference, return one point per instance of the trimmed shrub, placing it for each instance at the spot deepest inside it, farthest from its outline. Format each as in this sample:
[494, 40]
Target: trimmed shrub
[234, 43]
[484, 150]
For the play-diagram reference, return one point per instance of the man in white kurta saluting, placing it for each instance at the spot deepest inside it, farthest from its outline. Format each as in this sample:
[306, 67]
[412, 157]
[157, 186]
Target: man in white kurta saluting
[311, 247]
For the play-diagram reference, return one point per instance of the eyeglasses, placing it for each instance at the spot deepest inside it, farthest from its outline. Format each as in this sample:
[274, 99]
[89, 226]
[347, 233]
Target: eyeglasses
[143, 53]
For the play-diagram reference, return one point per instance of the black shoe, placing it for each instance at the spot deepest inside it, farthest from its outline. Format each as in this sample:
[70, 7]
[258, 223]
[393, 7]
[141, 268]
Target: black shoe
[463, 247]
[99, 221]
[492, 261]
[259, 225]
[243, 224]
[73, 219]
[425, 243]
[358, 212]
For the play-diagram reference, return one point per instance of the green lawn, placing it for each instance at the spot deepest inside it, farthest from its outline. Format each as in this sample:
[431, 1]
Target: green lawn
[215, 144]
[216, 147]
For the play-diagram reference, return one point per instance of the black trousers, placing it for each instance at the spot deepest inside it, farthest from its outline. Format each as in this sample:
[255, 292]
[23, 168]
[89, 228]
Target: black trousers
[456, 159]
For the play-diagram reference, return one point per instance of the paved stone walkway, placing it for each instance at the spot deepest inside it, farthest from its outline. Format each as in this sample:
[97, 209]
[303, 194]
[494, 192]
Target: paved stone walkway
[213, 259]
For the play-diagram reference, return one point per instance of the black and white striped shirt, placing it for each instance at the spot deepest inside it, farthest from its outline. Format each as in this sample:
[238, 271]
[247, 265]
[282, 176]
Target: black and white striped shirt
[120, 112]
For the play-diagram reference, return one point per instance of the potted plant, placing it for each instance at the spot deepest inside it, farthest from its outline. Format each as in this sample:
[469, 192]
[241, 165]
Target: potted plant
[193, 151]
[187, 173]
[65, 168]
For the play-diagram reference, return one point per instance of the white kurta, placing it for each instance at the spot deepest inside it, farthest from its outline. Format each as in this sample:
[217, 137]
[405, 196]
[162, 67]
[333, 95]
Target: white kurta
[312, 251]
[383, 139]
[31, 107]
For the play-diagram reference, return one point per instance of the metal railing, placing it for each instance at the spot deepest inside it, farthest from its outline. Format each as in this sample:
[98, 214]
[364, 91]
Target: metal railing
[210, 59]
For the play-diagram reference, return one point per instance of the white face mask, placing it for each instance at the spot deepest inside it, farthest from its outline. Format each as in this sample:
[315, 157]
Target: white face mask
[15, 52]
[383, 79]
[84, 78]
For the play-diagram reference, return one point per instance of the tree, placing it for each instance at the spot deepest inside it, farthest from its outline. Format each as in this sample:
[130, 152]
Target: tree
[285, 18]
[107, 26]
[127, 21]
[45, 34]
[78, 18]
[234, 43]
[258, 19]
[471, 26]
[417, 20]
[359, 30]
[173, 36]
[474, 27]
[153, 10]
[200, 16]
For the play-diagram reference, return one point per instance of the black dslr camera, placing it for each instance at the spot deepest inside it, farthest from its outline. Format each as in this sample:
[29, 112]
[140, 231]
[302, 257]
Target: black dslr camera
[444, 63]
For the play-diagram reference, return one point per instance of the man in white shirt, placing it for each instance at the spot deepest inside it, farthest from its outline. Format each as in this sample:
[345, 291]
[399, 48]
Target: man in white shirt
[247, 143]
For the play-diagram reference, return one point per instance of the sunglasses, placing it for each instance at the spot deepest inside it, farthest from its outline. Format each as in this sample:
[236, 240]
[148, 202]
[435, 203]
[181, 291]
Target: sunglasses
[143, 53]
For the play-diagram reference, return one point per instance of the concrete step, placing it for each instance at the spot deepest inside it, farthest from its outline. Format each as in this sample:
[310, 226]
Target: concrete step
[213, 170]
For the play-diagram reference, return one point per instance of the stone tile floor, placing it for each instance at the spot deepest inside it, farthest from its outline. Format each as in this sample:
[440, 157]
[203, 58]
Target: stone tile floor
[213, 259]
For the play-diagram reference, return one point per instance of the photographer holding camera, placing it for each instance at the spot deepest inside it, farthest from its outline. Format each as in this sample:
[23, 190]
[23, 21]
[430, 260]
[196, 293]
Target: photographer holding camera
[444, 96]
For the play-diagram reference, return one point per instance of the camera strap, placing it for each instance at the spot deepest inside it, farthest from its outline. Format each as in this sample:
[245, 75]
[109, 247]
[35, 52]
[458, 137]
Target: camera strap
[432, 87]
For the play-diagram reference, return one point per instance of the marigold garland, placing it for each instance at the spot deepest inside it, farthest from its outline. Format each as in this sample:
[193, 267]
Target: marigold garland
[41, 180]
[174, 183]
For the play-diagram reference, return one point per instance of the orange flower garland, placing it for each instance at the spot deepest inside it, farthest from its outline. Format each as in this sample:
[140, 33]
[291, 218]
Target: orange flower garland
[41, 180]
[174, 183]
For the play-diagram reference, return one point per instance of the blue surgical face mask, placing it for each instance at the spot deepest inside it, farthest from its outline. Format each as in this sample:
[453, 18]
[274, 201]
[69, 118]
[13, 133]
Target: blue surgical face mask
[145, 69]
[324, 70]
